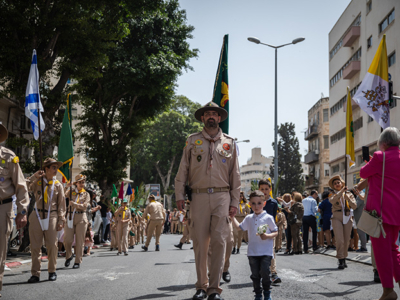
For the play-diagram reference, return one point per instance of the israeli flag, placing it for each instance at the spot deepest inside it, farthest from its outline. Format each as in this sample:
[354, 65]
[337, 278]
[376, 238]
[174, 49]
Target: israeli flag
[32, 98]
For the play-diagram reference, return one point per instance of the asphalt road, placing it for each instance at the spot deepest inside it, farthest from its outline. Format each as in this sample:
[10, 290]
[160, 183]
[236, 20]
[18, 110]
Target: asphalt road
[170, 274]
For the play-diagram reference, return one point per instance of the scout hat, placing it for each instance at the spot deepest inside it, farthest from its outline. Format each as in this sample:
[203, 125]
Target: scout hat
[337, 177]
[79, 177]
[125, 200]
[50, 161]
[3, 133]
[211, 106]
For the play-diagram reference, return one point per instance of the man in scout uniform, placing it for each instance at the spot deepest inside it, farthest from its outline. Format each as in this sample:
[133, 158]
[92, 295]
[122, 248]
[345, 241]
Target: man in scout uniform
[157, 218]
[77, 220]
[12, 182]
[47, 218]
[139, 228]
[123, 215]
[186, 231]
[133, 229]
[174, 221]
[210, 165]
[244, 209]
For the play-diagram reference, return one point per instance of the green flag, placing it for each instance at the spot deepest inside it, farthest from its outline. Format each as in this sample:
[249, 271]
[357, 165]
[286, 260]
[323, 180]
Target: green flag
[221, 87]
[114, 192]
[66, 146]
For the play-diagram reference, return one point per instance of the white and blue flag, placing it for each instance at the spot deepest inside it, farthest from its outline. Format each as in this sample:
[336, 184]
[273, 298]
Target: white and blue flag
[32, 98]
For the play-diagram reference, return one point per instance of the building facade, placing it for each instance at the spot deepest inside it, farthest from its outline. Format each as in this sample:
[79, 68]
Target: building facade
[317, 157]
[353, 42]
[257, 167]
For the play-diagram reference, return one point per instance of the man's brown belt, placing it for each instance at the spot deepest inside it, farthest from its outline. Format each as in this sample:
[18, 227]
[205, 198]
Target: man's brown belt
[210, 190]
[5, 201]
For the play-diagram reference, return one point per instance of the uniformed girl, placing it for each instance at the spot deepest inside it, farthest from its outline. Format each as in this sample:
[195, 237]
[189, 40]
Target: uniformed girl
[123, 215]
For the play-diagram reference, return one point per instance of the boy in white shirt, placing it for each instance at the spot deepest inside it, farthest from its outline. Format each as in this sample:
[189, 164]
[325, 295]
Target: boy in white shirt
[260, 246]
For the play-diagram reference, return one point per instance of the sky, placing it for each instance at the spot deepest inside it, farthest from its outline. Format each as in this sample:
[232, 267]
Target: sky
[302, 68]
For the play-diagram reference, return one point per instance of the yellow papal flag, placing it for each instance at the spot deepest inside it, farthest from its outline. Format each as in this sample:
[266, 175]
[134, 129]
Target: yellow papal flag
[349, 132]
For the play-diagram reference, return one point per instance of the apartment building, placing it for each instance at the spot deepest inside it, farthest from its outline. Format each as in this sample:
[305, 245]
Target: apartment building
[257, 168]
[353, 42]
[317, 136]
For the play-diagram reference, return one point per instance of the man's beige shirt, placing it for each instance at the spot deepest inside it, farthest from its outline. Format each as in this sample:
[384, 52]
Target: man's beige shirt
[12, 181]
[57, 202]
[194, 165]
[155, 210]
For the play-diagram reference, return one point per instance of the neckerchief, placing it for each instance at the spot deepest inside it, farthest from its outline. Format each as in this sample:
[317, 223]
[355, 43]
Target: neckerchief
[52, 182]
[123, 213]
[240, 206]
[79, 193]
[212, 143]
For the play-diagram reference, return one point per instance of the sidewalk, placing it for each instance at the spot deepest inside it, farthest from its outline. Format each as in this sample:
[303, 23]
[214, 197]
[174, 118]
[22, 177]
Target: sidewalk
[362, 257]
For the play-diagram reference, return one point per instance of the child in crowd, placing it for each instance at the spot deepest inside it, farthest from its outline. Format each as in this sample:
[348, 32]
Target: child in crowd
[262, 230]
[114, 241]
[89, 242]
[281, 224]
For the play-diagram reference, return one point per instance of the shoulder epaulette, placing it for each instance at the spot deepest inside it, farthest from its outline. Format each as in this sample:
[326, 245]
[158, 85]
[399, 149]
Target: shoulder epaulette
[228, 136]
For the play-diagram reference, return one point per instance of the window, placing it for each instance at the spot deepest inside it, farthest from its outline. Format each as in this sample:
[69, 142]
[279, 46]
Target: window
[326, 141]
[356, 56]
[338, 105]
[358, 124]
[326, 115]
[369, 42]
[342, 166]
[338, 136]
[335, 169]
[388, 20]
[392, 59]
[326, 173]
[369, 6]
[22, 122]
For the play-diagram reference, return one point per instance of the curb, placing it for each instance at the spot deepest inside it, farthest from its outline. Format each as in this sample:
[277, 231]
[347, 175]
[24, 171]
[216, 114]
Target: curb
[364, 258]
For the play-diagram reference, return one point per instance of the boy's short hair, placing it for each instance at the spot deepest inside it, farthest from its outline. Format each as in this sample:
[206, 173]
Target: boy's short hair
[325, 195]
[264, 182]
[257, 194]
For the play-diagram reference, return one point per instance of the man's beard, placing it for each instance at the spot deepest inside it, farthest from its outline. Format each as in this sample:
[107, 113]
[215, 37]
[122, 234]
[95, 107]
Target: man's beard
[211, 123]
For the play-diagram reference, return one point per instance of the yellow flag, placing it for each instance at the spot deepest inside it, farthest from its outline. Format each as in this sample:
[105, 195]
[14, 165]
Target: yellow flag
[270, 192]
[349, 132]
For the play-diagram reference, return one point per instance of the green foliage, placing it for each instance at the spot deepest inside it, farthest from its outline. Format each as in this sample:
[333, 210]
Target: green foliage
[289, 167]
[160, 148]
[135, 86]
[72, 39]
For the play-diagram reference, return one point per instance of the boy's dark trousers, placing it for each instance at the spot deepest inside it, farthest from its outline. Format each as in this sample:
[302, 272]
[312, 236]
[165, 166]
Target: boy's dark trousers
[309, 221]
[259, 266]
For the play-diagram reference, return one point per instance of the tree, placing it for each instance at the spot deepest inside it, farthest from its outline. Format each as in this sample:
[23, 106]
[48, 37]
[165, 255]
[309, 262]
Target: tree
[135, 86]
[161, 146]
[289, 167]
[71, 39]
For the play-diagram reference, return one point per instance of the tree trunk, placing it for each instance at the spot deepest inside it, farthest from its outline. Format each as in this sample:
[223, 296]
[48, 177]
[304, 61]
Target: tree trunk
[168, 205]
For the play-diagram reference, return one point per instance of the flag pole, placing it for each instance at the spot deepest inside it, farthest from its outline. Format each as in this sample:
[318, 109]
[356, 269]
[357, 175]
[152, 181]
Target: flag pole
[72, 162]
[41, 159]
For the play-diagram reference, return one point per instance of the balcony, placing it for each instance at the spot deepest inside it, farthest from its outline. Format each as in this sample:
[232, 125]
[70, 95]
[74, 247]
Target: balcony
[311, 157]
[352, 69]
[311, 132]
[311, 182]
[351, 36]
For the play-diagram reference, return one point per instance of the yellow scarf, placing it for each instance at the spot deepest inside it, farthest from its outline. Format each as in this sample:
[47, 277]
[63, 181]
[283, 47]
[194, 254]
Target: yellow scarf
[240, 206]
[45, 191]
[123, 213]
[79, 193]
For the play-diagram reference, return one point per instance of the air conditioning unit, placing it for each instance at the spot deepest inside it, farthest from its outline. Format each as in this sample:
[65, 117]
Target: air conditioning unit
[317, 151]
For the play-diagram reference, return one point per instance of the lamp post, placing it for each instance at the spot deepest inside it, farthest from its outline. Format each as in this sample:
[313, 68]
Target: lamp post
[257, 41]
[244, 141]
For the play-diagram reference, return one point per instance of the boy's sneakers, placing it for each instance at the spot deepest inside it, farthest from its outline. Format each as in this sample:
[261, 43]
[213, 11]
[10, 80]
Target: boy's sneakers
[258, 297]
[275, 279]
[267, 295]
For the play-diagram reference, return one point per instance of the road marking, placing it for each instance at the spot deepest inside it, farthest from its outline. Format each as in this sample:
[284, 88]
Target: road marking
[296, 276]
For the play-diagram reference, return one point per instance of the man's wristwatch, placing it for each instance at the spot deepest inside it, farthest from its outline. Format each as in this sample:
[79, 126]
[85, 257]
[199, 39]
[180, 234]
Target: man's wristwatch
[23, 212]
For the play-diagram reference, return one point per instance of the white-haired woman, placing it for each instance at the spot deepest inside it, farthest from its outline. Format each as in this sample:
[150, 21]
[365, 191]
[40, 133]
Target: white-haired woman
[386, 252]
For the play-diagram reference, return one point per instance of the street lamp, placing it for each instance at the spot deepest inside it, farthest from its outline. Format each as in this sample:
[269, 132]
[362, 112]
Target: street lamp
[257, 41]
[244, 141]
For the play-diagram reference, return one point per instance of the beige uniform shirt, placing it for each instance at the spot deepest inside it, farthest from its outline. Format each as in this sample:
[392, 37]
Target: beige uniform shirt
[57, 202]
[194, 167]
[337, 205]
[120, 215]
[155, 210]
[243, 210]
[12, 181]
[80, 201]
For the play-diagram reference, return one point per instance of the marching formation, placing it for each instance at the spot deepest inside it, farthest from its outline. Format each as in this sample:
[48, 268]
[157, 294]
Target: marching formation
[212, 212]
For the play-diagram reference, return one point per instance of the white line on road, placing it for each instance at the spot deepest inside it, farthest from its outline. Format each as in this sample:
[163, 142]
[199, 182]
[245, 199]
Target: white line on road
[296, 276]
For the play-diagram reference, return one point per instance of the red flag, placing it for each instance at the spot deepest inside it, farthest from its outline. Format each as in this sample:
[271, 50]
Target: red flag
[121, 191]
